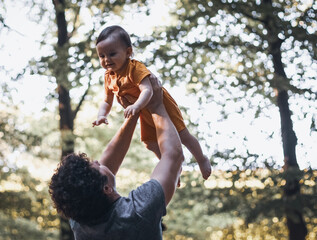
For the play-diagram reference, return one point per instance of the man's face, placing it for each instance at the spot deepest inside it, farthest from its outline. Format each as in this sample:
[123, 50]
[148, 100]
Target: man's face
[105, 172]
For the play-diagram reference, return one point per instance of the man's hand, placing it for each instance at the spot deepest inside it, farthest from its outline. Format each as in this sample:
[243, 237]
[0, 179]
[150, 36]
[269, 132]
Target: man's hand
[100, 120]
[155, 101]
[131, 111]
[157, 98]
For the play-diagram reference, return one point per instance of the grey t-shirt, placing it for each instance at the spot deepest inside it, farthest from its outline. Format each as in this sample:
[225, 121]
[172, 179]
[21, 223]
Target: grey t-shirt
[136, 217]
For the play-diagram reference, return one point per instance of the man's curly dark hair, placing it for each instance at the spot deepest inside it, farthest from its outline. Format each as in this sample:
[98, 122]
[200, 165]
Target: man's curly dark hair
[77, 189]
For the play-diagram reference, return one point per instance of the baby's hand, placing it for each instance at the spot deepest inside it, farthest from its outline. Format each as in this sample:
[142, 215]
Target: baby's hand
[131, 111]
[100, 120]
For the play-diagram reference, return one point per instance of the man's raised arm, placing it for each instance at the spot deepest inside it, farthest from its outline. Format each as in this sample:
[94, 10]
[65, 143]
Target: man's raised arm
[116, 150]
[167, 171]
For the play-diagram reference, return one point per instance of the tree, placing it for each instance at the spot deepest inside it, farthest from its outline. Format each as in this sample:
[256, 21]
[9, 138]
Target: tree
[73, 63]
[24, 206]
[247, 45]
[69, 59]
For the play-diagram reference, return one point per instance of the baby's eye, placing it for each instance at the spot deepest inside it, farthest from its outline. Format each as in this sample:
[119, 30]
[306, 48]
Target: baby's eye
[113, 54]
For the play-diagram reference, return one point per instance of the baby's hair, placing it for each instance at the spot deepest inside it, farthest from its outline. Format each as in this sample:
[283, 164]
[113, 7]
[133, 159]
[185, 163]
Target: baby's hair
[115, 30]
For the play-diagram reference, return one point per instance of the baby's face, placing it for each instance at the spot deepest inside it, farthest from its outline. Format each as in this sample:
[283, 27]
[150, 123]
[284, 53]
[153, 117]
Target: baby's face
[113, 54]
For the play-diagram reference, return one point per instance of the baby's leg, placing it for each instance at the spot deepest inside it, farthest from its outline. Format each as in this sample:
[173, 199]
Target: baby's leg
[193, 146]
[153, 146]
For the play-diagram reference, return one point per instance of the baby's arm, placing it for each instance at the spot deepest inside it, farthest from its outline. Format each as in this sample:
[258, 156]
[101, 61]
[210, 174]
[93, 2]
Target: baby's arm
[104, 110]
[143, 99]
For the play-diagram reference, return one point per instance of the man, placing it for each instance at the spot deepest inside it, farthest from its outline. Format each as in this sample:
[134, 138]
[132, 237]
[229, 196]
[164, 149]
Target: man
[85, 191]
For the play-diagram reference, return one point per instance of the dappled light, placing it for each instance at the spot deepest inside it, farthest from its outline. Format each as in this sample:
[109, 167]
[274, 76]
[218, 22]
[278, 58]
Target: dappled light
[243, 73]
[218, 209]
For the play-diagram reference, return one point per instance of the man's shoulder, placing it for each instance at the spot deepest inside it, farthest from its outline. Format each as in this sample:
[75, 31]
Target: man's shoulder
[142, 197]
[137, 215]
[149, 186]
[149, 198]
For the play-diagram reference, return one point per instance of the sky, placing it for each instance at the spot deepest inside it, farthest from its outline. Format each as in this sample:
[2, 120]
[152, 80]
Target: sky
[22, 43]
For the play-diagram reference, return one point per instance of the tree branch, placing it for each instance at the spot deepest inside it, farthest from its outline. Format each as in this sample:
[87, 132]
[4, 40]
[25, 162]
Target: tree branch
[243, 9]
[8, 27]
[244, 13]
[59, 6]
[81, 100]
[77, 10]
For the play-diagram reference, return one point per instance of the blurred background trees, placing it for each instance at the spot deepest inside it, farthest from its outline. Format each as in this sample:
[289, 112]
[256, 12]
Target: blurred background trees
[248, 60]
[252, 49]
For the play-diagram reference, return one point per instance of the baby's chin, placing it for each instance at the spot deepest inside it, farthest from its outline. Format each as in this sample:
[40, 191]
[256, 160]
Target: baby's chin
[109, 69]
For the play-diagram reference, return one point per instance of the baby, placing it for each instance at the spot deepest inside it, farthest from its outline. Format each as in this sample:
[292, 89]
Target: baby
[126, 76]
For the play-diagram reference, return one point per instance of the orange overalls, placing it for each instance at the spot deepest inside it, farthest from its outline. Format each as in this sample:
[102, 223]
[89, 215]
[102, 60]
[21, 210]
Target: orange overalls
[127, 81]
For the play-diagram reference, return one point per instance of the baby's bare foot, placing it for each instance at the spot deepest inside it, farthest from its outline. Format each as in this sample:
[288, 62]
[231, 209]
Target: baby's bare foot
[205, 167]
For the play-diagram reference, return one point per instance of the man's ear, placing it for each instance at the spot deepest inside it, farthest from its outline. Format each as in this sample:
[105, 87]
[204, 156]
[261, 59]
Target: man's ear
[107, 190]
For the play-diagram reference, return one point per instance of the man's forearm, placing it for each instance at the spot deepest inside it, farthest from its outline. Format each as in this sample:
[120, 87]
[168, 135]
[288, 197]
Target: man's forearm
[167, 136]
[167, 171]
[116, 150]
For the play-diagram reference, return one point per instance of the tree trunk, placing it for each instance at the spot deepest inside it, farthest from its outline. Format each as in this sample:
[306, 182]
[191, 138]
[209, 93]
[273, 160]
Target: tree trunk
[289, 138]
[293, 207]
[65, 112]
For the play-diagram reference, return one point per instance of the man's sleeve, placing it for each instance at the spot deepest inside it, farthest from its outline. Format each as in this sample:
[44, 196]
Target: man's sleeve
[149, 201]
[77, 234]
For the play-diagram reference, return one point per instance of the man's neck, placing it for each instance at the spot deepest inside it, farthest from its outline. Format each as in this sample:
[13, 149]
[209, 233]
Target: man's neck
[113, 196]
